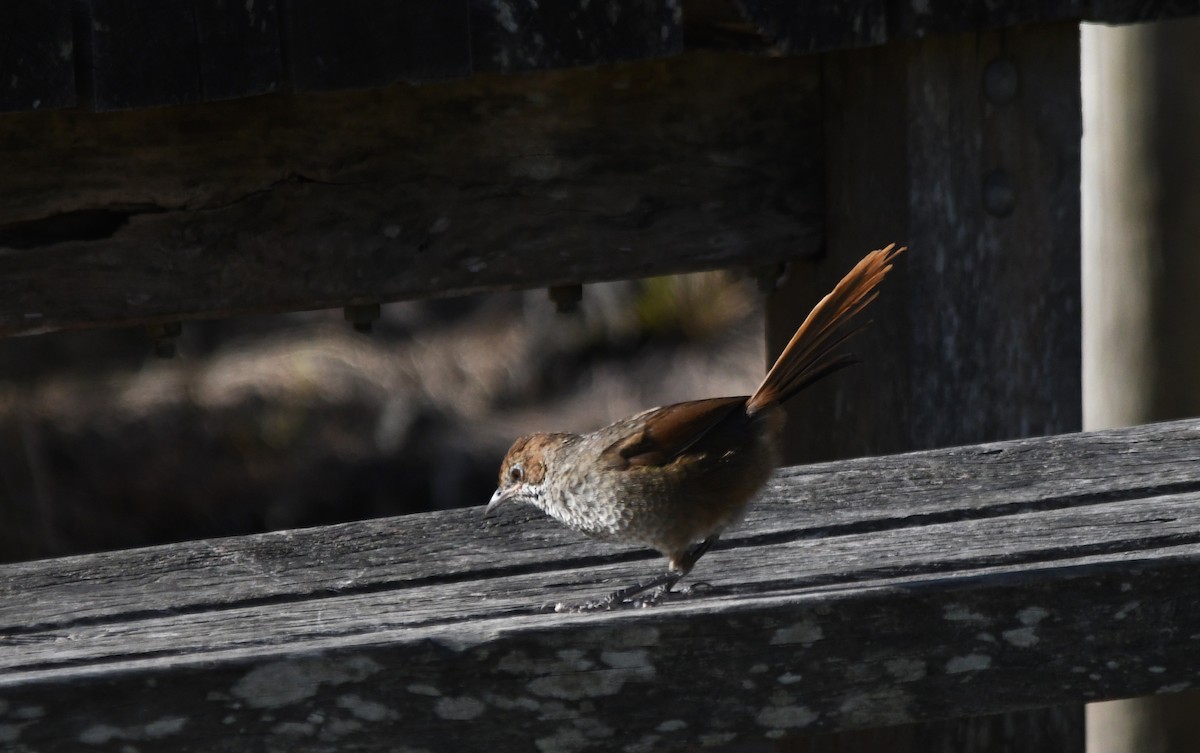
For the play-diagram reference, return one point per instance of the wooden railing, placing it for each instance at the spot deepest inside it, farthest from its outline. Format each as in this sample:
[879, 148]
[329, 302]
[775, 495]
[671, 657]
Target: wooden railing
[973, 580]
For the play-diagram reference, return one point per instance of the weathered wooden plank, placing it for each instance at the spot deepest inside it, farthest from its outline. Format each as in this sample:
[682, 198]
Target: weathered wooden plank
[527, 35]
[797, 28]
[36, 56]
[698, 162]
[1068, 572]
[806, 503]
[1129, 11]
[376, 43]
[966, 149]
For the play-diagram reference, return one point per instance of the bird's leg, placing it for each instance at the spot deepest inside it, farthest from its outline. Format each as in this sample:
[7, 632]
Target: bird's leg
[660, 586]
[679, 568]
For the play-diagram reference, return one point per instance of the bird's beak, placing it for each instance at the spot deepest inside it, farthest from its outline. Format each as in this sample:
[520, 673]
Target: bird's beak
[498, 498]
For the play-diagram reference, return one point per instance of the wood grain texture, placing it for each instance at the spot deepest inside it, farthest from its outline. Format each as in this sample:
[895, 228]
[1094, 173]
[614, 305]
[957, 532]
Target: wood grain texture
[976, 334]
[318, 200]
[974, 580]
[846, 24]
[526, 35]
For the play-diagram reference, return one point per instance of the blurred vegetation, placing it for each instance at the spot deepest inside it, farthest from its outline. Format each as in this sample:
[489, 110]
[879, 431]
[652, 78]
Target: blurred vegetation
[284, 421]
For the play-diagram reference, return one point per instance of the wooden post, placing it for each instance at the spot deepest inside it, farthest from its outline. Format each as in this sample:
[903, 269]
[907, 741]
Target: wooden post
[1141, 221]
[965, 148]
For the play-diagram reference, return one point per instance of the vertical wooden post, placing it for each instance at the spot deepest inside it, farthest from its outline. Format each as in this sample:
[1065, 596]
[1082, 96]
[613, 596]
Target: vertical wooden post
[1141, 269]
[965, 148]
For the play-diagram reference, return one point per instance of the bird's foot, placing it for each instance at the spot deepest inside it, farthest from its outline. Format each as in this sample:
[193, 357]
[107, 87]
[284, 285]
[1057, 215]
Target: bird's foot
[633, 597]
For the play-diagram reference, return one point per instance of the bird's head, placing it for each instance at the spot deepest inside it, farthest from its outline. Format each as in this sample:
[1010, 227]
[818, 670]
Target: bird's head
[523, 472]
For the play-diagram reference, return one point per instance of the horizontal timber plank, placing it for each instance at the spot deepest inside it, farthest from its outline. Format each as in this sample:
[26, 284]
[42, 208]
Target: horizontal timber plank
[215, 51]
[863, 593]
[698, 162]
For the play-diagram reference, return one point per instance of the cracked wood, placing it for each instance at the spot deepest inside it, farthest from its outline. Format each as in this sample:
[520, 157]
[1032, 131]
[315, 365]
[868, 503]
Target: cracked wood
[289, 202]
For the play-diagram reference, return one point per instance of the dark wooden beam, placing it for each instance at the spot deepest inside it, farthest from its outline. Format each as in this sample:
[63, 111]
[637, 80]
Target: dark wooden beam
[878, 591]
[317, 200]
[36, 56]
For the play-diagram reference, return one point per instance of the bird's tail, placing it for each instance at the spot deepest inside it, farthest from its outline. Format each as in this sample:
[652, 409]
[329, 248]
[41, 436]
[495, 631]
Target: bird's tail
[810, 355]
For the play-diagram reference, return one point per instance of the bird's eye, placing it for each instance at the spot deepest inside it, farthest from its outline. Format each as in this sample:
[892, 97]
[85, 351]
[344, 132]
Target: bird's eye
[516, 474]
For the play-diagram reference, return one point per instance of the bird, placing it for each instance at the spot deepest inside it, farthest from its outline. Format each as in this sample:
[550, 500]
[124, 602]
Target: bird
[674, 478]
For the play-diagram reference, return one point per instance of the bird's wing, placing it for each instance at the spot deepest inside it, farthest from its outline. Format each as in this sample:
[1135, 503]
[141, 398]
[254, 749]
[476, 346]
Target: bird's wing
[658, 436]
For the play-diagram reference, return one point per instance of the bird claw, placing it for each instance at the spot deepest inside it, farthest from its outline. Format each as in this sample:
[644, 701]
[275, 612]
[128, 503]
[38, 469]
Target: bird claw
[635, 597]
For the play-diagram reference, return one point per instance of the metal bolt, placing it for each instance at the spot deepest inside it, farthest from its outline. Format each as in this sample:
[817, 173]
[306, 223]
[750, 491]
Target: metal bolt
[163, 336]
[999, 194]
[362, 315]
[1001, 81]
[566, 297]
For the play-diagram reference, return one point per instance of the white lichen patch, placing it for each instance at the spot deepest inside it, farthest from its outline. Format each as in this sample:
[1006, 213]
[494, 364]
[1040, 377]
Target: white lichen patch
[710, 739]
[597, 683]
[1177, 687]
[523, 703]
[368, 711]
[786, 717]
[29, 712]
[644, 744]
[462, 708]
[165, 727]
[283, 683]
[100, 734]
[575, 659]
[1157, 670]
[961, 613]
[294, 729]
[906, 669]
[429, 690]
[887, 705]
[565, 740]
[671, 725]
[789, 678]
[1125, 609]
[1032, 615]
[805, 633]
[1021, 637]
[968, 663]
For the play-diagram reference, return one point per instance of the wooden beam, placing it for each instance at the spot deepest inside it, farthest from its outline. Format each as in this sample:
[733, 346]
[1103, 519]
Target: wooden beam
[318, 200]
[973, 580]
[36, 56]
[966, 149]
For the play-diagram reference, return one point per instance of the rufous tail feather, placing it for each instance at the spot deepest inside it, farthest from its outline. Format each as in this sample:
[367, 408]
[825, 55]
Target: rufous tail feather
[812, 352]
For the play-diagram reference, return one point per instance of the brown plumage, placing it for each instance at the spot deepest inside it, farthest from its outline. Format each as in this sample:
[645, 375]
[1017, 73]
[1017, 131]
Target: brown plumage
[673, 478]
